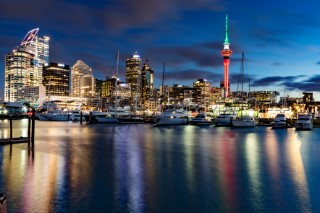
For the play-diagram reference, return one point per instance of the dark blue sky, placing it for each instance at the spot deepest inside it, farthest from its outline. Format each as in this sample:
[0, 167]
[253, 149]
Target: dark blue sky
[280, 39]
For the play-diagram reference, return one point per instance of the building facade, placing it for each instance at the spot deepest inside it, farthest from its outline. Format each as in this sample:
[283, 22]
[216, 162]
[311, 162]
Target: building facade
[87, 86]
[146, 83]
[203, 93]
[133, 77]
[24, 66]
[19, 73]
[56, 79]
[79, 69]
[39, 47]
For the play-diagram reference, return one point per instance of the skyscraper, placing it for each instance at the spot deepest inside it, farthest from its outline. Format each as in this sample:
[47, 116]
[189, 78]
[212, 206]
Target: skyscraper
[19, 73]
[39, 46]
[24, 65]
[56, 78]
[133, 77]
[79, 70]
[87, 86]
[202, 90]
[226, 53]
[146, 82]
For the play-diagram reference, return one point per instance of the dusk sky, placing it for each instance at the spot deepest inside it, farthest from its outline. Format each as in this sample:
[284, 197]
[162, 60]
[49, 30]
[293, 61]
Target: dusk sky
[280, 39]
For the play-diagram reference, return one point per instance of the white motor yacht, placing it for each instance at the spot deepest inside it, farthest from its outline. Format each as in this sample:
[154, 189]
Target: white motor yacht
[130, 119]
[202, 119]
[304, 122]
[225, 119]
[75, 115]
[280, 121]
[244, 121]
[104, 117]
[54, 115]
[172, 117]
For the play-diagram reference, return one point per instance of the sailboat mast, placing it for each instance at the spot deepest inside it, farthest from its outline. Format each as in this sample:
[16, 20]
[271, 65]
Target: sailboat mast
[117, 67]
[249, 89]
[162, 100]
[242, 61]
[164, 64]
[116, 85]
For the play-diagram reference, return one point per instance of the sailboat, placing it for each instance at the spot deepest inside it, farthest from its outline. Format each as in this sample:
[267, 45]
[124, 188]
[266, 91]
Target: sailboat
[243, 120]
[109, 117]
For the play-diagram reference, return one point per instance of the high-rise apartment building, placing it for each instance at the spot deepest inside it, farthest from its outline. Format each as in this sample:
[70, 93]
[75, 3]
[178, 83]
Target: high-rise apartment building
[19, 73]
[87, 86]
[56, 79]
[39, 46]
[24, 65]
[181, 96]
[133, 77]
[78, 71]
[108, 87]
[202, 87]
[146, 83]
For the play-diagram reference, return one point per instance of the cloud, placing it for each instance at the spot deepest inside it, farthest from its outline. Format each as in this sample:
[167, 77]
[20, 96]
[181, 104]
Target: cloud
[293, 83]
[195, 54]
[277, 64]
[191, 75]
[275, 80]
[302, 86]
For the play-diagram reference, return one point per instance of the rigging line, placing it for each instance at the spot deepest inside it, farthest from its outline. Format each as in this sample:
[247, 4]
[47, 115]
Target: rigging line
[112, 68]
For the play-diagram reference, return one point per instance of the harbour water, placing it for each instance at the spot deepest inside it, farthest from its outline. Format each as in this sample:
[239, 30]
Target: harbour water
[142, 168]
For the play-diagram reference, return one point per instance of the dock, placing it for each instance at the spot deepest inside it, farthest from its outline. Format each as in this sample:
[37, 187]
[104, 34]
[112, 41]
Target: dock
[15, 140]
[5, 141]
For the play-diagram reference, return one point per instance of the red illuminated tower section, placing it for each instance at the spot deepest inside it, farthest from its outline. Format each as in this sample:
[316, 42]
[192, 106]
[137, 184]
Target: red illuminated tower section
[226, 52]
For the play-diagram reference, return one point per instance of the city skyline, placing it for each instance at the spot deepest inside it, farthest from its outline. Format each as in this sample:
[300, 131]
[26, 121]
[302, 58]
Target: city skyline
[279, 39]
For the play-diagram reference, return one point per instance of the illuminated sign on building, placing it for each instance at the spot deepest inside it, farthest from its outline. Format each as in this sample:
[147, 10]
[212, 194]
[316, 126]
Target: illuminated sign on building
[30, 36]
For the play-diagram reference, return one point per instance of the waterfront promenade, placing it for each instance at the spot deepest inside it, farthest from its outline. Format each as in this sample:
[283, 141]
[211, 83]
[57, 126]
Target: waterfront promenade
[143, 168]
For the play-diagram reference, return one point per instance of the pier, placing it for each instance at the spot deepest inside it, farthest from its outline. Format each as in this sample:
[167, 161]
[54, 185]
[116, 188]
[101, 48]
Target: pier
[16, 140]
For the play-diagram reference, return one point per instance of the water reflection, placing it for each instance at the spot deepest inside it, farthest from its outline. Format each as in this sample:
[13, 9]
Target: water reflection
[297, 171]
[129, 188]
[139, 168]
[253, 163]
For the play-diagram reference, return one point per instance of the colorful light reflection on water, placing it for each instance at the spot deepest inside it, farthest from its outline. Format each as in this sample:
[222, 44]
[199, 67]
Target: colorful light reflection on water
[141, 168]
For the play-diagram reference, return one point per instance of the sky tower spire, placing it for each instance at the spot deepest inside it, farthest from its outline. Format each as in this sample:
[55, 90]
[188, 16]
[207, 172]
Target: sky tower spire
[226, 41]
[226, 53]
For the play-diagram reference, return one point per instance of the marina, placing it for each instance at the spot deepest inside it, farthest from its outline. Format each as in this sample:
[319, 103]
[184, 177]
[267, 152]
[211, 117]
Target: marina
[147, 168]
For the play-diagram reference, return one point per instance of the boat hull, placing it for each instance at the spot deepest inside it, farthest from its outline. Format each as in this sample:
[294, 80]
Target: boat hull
[223, 122]
[202, 123]
[171, 121]
[61, 117]
[246, 121]
[237, 123]
[101, 119]
[304, 126]
[304, 122]
[279, 125]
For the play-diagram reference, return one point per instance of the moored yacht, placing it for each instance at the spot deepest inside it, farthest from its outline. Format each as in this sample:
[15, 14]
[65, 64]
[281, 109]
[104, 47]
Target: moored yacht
[103, 117]
[280, 121]
[225, 119]
[244, 121]
[130, 119]
[202, 119]
[75, 115]
[304, 122]
[172, 117]
[54, 115]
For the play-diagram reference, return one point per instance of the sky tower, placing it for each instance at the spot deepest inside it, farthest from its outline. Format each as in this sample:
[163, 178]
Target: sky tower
[226, 52]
